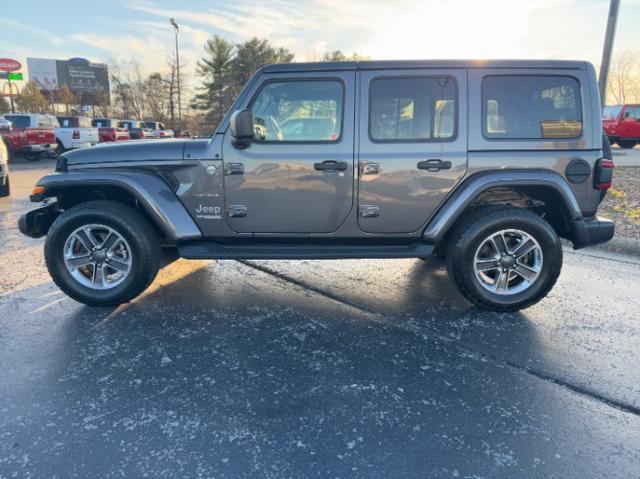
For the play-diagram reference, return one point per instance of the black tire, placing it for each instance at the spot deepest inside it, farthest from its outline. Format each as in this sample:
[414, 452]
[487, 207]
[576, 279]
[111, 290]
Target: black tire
[59, 149]
[474, 229]
[131, 225]
[5, 189]
[626, 144]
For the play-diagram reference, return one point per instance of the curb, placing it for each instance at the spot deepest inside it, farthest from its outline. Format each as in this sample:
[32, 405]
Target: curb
[618, 245]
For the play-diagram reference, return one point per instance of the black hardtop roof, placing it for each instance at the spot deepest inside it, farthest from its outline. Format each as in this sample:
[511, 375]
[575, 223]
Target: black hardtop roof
[411, 64]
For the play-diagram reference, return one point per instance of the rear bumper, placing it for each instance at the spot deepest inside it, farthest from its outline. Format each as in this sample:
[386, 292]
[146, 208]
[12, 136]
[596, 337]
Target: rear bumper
[36, 223]
[37, 148]
[593, 231]
[77, 145]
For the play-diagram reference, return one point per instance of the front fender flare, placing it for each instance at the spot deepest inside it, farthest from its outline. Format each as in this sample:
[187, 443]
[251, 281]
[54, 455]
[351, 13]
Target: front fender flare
[469, 189]
[153, 194]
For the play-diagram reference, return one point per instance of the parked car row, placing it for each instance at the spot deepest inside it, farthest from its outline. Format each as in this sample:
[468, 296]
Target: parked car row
[33, 134]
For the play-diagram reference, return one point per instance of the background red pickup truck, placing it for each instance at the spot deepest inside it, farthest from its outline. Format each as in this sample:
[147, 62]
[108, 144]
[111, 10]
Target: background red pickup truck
[30, 135]
[110, 130]
[621, 123]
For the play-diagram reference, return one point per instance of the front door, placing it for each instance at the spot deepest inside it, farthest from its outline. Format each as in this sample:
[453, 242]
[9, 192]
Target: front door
[413, 145]
[629, 127]
[297, 174]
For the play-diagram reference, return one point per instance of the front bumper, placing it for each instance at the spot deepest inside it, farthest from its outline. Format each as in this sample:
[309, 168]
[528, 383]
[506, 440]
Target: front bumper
[36, 223]
[593, 231]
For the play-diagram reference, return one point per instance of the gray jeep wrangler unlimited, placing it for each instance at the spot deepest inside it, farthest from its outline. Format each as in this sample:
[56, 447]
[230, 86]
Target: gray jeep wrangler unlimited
[484, 163]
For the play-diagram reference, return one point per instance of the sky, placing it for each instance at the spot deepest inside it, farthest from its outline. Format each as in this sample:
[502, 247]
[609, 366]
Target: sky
[401, 29]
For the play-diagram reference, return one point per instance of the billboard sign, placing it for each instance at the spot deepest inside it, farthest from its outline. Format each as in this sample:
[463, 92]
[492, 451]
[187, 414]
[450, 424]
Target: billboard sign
[89, 81]
[9, 65]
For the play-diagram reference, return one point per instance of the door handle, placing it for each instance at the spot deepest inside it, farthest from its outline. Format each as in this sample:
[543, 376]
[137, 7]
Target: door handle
[331, 165]
[434, 165]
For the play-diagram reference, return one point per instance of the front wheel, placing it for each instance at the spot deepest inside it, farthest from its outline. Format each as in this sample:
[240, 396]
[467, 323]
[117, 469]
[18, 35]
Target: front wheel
[504, 258]
[102, 253]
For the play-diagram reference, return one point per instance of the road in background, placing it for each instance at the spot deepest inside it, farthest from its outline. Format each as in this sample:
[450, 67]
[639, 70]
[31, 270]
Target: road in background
[373, 369]
[626, 157]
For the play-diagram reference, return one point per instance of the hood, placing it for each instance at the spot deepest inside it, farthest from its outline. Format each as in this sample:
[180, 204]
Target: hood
[127, 151]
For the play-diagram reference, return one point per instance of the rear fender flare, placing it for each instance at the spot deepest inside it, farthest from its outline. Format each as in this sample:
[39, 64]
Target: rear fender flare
[463, 196]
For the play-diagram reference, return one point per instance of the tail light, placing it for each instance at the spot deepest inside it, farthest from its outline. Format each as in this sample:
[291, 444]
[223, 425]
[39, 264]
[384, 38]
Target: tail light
[162, 133]
[76, 134]
[603, 174]
[112, 134]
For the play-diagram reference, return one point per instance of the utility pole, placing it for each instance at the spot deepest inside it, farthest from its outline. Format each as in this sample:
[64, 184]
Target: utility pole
[176, 29]
[608, 48]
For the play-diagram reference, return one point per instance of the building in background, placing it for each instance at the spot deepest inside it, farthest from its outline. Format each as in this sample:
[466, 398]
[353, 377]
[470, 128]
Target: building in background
[88, 81]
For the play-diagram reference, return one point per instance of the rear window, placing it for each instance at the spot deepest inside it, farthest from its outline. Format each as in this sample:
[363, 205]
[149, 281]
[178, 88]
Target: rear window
[528, 107]
[412, 109]
[66, 122]
[151, 124]
[611, 112]
[101, 123]
[19, 121]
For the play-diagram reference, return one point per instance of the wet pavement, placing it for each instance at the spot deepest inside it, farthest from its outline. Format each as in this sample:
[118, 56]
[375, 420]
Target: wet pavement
[265, 369]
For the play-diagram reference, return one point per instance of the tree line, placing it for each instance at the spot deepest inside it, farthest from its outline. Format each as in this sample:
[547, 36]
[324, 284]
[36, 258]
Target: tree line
[222, 72]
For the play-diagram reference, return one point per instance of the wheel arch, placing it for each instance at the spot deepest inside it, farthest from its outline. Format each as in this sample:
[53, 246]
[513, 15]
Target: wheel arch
[543, 191]
[145, 191]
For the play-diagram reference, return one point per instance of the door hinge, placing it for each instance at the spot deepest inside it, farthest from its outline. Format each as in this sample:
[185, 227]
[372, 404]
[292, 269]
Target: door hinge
[369, 211]
[236, 211]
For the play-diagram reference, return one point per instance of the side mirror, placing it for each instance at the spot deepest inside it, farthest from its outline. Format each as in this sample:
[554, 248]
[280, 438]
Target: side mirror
[241, 125]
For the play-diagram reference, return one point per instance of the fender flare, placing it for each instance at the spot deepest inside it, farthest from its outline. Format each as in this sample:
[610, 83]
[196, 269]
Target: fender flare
[155, 196]
[463, 196]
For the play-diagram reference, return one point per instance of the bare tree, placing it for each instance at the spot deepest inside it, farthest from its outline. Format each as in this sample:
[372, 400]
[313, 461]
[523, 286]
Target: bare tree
[624, 77]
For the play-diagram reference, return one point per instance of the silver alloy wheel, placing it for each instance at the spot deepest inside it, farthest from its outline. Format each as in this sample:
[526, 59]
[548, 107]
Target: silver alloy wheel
[97, 256]
[508, 262]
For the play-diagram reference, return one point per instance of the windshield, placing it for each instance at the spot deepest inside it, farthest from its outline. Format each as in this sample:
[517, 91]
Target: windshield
[19, 121]
[611, 112]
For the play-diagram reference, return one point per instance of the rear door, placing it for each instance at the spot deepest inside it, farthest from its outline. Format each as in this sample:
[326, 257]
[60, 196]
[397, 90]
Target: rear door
[413, 145]
[297, 175]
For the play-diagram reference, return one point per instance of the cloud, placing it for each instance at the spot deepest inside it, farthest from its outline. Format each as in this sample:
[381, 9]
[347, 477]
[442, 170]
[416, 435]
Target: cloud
[45, 35]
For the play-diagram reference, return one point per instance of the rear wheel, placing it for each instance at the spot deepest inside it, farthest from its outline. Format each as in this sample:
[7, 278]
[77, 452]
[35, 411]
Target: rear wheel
[504, 258]
[627, 143]
[102, 253]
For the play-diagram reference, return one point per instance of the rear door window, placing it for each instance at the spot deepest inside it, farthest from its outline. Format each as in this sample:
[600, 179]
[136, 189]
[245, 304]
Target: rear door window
[412, 109]
[531, 107]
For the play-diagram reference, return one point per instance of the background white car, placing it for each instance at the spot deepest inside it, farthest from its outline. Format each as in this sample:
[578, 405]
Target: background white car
[5, 188]
[75, 132]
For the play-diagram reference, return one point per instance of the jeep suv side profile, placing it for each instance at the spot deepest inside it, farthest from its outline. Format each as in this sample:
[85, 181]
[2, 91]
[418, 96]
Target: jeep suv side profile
[486, 164]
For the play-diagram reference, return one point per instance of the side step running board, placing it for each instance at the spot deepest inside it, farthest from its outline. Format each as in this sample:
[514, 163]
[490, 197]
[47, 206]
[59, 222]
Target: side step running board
[213, 250]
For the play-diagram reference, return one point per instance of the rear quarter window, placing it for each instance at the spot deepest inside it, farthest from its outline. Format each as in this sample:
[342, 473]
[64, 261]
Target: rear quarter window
[531, 107]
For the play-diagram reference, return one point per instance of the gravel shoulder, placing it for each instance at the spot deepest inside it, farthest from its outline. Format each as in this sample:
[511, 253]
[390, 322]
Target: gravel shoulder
[622, 203]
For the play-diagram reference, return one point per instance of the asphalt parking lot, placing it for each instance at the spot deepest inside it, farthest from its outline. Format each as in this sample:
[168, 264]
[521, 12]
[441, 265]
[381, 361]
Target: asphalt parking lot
[292, 369]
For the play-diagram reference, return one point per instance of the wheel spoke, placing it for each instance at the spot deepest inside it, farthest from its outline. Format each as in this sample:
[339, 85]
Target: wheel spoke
[118, 265]
[98, 275]
[487, 264]
[526, 246]
[499, 244]
[502, 282]
[110, 242]
[86, 239]
[76, 262]
[528, 273]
